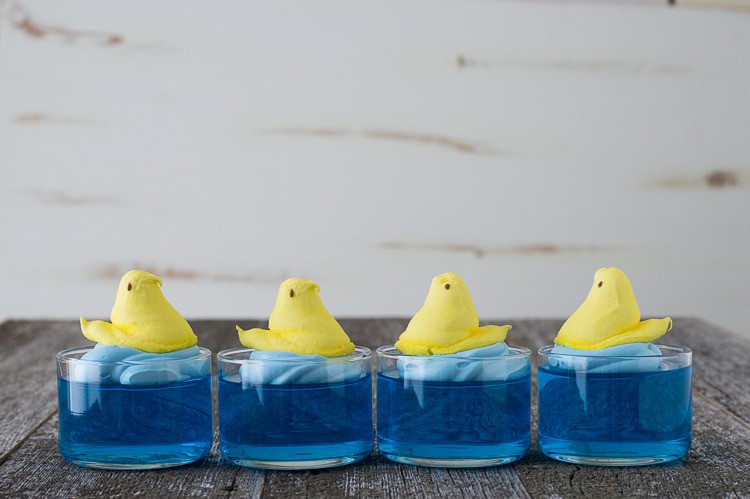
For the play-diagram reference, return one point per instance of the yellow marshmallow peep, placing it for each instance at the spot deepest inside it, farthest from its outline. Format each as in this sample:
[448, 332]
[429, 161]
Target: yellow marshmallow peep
[447, 323]
[609, 316]
[299, 323]
[142, 318]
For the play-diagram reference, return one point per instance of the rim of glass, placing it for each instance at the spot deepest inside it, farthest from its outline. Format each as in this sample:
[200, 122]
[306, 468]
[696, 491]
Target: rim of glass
[360, 353]
[387, 351]
[677, 351]
[65, 356]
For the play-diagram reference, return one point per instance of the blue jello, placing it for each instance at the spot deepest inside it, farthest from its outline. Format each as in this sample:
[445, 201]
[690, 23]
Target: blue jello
[616, 418]
[286, 425]
[467, 409]
[280, 410]
[134, 414]
[465, 422]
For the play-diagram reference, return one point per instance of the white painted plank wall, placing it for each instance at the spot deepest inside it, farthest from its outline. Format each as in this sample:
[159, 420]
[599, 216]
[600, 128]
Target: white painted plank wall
[371, 145]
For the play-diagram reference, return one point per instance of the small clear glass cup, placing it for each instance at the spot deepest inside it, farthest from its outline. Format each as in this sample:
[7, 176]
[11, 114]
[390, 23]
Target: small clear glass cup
[484, 422]
[163, 420]
[615, 410]
[281, 413]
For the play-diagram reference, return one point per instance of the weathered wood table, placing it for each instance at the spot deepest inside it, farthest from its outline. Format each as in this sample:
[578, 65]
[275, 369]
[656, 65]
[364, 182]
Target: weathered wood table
[718, 463]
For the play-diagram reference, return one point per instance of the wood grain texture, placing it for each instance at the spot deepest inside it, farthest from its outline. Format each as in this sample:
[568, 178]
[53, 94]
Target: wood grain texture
[718, 463]
[29, 394]
[721, 369]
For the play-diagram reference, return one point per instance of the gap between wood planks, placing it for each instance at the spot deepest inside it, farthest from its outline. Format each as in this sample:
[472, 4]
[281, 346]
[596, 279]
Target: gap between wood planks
[721, 407]
[28, 435]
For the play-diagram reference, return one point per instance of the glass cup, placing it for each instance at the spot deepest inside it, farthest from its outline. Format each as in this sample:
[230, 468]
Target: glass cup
[134, 414]
[449, 412]
[615, 410]
[279, 412]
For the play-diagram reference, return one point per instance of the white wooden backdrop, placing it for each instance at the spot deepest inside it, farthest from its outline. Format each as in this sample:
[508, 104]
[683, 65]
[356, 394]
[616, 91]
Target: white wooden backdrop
[371, 145]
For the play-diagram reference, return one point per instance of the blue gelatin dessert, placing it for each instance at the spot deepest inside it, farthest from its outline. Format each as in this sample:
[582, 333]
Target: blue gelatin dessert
[317, 418]
[607, 395]
[141, 397]
[300, 395]
[452, 393]
[443, 422]
[616, 417]
[160, 416]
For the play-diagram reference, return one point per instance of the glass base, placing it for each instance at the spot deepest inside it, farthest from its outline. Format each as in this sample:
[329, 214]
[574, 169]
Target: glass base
[451, 463]
[611, 461]
[598, 453]
[134, 461]
[453, 455]
[309, 464]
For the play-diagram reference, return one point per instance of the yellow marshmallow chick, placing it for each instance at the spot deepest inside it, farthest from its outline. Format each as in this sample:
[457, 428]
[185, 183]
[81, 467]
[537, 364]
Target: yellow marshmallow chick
[447, 323]
[609, 316]
[142, 318]
[299, 323]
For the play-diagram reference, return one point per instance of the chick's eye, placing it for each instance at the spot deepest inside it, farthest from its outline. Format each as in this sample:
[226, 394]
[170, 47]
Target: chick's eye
[130, 286]
[447, 286]
[600, 284]
[291, 293]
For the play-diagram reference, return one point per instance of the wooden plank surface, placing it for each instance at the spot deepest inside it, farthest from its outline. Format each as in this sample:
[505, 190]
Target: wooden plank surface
[718, 463]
